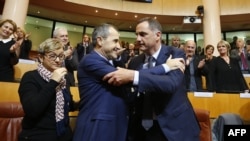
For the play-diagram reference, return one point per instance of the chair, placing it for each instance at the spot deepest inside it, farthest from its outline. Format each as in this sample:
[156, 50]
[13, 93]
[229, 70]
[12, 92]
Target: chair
[225, 119]
[11, 115]
[204, 121]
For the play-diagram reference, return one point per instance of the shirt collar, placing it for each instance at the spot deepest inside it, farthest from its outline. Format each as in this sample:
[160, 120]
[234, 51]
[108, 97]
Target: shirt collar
[5, 40]
[156, 54]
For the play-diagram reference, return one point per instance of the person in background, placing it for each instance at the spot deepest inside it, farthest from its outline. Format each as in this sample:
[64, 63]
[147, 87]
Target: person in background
[84, 47]
[198, 51]
[26, 44]
[241, 54]
[248, 49]
[159, 93]
[175, 41]
[233, 43]
[71, 61]
[209, 57]
[225, 73]
[131, 55]
[194, 67]
[46, 98]
[9, 50]
[182, 45]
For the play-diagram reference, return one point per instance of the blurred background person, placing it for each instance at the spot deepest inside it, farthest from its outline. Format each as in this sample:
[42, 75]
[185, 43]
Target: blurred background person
[182, 45]
[233, 43]
[46, 98]
[84, 47]
[71, 61]
[9, 50]
[175, 41]
[225, 73]
[26, 44]
[241, 54]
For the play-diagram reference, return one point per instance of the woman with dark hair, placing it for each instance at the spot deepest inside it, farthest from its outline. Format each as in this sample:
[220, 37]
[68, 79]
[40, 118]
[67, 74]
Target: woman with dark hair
[208, 57]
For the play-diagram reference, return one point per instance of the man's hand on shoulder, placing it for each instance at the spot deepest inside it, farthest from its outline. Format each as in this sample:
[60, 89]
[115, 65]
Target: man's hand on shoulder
[119, 77]
[176, 63]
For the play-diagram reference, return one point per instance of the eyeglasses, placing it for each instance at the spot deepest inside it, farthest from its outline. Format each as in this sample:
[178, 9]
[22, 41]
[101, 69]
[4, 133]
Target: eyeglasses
[53, 57]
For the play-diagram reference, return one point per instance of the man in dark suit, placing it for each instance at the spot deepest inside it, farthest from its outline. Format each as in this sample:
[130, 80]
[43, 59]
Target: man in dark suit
[194, 67]
[172, 113]
[102, 107]
[84, 47]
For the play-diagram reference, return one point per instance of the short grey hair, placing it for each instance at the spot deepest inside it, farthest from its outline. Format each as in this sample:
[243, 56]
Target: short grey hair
[101, 31]
[57, 30]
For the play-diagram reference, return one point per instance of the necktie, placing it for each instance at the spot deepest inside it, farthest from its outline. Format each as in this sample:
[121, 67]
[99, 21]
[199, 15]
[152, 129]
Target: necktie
[85, 48]
[243, 60]
[147, 117]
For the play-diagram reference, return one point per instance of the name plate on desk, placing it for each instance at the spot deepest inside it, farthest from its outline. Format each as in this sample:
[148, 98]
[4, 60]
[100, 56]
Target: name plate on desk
[244, 95]
[203, 94]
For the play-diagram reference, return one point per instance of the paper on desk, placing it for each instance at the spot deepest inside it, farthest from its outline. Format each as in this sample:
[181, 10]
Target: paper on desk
[203, 94]
[244, 95]
[25, 61]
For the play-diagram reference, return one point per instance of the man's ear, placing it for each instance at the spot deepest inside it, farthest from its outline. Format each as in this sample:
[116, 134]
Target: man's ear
[158, 35]
[99, 41]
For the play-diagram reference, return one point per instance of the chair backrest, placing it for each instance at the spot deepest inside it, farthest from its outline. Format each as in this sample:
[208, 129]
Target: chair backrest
[11, 115]
[205, 124]
[225, 119]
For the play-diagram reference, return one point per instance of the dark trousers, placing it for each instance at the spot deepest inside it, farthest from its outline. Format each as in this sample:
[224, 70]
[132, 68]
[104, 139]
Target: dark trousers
[138, 133]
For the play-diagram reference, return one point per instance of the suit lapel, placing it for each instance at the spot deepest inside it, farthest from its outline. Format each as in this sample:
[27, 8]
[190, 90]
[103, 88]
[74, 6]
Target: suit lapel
[138, 62]
[164, 54]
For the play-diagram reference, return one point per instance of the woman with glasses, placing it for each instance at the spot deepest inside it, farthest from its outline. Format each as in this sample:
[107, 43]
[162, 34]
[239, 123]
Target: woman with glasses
[225, 73]
[46, 98]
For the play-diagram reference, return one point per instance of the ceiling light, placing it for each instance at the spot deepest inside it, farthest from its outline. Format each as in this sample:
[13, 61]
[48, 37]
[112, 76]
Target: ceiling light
[116, 14]
[135, 16]
[96, 11]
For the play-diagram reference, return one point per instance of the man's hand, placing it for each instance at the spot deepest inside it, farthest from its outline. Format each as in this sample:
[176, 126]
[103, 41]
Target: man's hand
[201, 63]
[119, 77]
[68, 53]
[176, 63]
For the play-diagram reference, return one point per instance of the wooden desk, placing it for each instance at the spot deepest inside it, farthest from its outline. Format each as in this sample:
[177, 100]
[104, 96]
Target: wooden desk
[247, 78]
[223, 103]
[22, 67]
[218, 104]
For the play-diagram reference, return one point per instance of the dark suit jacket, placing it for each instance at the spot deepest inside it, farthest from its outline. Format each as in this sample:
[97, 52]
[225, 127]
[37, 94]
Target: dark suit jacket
[174, 112]
[103, 108]
[71, 65]
[235, 54]
[197, 73]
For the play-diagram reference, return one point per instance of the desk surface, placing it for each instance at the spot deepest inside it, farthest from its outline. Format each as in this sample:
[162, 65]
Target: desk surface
[223, 103]
[218, 104]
